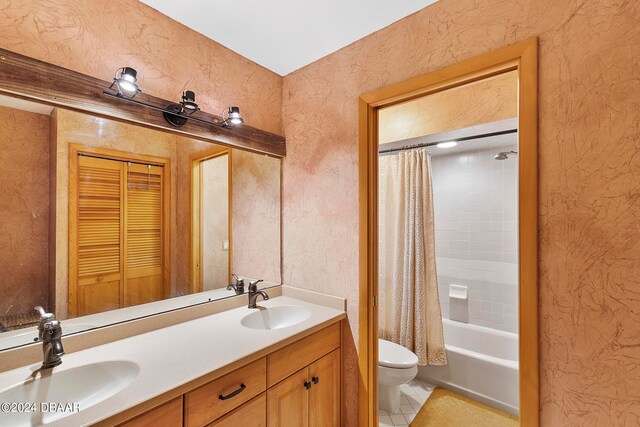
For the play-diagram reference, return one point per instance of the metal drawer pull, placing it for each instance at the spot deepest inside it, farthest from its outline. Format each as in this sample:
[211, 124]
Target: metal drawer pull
[234, 393]
[307, 385]
[315, 380]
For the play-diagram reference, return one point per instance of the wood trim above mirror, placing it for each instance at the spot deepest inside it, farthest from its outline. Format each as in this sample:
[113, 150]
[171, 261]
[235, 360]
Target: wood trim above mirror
[36, 80]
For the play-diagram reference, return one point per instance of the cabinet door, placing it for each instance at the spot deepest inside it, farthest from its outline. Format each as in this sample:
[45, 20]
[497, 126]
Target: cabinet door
[324, 395]
[288, 402]
[251, 414]
[167, 415]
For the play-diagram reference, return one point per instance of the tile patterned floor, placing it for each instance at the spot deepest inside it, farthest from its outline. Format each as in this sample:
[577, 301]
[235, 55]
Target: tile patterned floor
[412, 397]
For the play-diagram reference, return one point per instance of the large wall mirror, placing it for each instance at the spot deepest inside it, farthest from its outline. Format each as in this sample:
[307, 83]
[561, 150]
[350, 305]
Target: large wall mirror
[104, 221]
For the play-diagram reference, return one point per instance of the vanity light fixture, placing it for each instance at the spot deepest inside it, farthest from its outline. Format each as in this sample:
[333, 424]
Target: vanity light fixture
[125, 81]
[233, 117]
[448, 144]
[189, 101]
[177, 114]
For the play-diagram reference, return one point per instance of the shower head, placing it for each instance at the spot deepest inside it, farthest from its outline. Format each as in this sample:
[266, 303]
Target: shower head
[504, 155]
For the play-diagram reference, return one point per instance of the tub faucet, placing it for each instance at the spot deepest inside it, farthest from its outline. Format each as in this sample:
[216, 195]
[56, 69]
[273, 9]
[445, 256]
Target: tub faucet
[50, 333]
[254, 293]
[238, 287]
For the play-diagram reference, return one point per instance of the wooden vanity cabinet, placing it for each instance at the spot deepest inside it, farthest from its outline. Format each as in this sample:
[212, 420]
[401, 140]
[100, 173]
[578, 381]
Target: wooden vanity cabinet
[298, 385]
[220, 396]
[325, 391]
[288, 401]
[309, 398]
[168, 414]
[251, 414]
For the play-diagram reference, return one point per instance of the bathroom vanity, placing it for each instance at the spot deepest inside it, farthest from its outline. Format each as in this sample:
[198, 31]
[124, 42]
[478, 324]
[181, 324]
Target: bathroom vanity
[299, 383]
[249, 367]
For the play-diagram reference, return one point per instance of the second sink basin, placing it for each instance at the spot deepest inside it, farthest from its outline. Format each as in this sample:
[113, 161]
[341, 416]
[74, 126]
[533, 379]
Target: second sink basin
[85, 386]
[275, 317]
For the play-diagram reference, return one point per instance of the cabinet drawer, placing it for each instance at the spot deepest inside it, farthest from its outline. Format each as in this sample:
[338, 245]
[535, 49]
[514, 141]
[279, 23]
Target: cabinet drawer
[296, 356]
[168, 414]
[212, 400]
[251, 414]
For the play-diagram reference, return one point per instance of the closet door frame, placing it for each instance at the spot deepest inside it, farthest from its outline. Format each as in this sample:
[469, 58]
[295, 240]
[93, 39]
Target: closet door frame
[76, 150]
[523, 58]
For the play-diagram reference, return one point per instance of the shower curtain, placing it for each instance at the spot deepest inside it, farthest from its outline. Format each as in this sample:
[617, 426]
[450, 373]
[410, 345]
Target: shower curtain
[409, 310]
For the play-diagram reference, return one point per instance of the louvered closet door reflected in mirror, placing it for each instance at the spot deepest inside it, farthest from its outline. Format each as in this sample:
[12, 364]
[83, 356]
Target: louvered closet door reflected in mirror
[117, 240]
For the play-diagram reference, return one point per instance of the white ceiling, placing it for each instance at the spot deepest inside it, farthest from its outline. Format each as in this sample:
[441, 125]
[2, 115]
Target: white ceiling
[284, 35]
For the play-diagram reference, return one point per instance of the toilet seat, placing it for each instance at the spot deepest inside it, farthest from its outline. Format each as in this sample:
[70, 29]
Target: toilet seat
[392, 355]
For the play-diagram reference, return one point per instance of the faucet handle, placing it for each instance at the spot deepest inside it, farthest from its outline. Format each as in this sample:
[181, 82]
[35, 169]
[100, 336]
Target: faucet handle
[44, 316]
[238, 286]
[253, 285]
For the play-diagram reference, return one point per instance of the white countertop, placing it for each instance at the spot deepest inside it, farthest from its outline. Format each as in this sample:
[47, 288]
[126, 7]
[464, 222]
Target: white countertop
[176, 355]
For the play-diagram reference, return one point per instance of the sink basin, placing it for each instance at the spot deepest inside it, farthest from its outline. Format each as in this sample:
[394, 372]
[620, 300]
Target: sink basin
[85, 385]
[275, 317]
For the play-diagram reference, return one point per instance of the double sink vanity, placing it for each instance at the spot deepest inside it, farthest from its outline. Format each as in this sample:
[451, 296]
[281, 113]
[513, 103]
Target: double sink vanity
[241, 366]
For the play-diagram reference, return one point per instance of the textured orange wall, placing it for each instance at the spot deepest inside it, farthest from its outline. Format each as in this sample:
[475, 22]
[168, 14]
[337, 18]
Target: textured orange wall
[484, 101]
[589, 180]
[256, 216]
[24, 210]
[98, 37]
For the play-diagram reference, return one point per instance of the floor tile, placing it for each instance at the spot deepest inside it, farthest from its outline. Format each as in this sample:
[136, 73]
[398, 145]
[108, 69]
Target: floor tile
[385, 421]
[407, 409]
[409, 417]
[398, 420]
[412, 397]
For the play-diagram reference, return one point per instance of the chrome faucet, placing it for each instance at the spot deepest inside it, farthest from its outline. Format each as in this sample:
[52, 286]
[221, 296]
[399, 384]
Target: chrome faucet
[254, 293]
[238, 286]
[50, 333]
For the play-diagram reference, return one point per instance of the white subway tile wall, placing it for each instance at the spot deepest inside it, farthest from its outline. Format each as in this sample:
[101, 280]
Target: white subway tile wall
[475, 204]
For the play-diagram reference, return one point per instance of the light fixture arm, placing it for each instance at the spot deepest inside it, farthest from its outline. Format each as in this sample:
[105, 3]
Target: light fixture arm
[176, 114]
[165, 110]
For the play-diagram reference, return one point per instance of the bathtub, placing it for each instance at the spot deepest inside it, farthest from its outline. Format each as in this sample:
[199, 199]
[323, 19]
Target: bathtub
[483, 365]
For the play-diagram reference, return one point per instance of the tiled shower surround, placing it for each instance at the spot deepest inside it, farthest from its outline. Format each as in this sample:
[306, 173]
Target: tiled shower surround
[475, 203]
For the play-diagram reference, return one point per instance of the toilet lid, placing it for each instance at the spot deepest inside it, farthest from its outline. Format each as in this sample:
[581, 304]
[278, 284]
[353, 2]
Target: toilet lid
[393, 355]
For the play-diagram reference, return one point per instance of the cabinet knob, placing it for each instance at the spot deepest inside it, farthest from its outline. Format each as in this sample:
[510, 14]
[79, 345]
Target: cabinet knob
[315, 380]
[307, 385]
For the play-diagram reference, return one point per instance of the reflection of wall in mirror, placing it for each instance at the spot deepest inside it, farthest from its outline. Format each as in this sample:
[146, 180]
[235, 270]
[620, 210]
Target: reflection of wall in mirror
[215, 222]
[24, 210]
[256, 205]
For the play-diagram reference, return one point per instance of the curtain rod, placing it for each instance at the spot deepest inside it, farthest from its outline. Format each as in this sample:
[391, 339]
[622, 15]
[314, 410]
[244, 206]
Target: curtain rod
[464, 138]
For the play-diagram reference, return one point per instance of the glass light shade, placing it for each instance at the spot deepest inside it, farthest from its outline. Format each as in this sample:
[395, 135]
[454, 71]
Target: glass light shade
[126, 81]
[447, 144]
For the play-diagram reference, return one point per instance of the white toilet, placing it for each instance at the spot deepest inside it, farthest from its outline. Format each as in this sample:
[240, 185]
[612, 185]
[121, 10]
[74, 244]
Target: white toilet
[396, 366]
